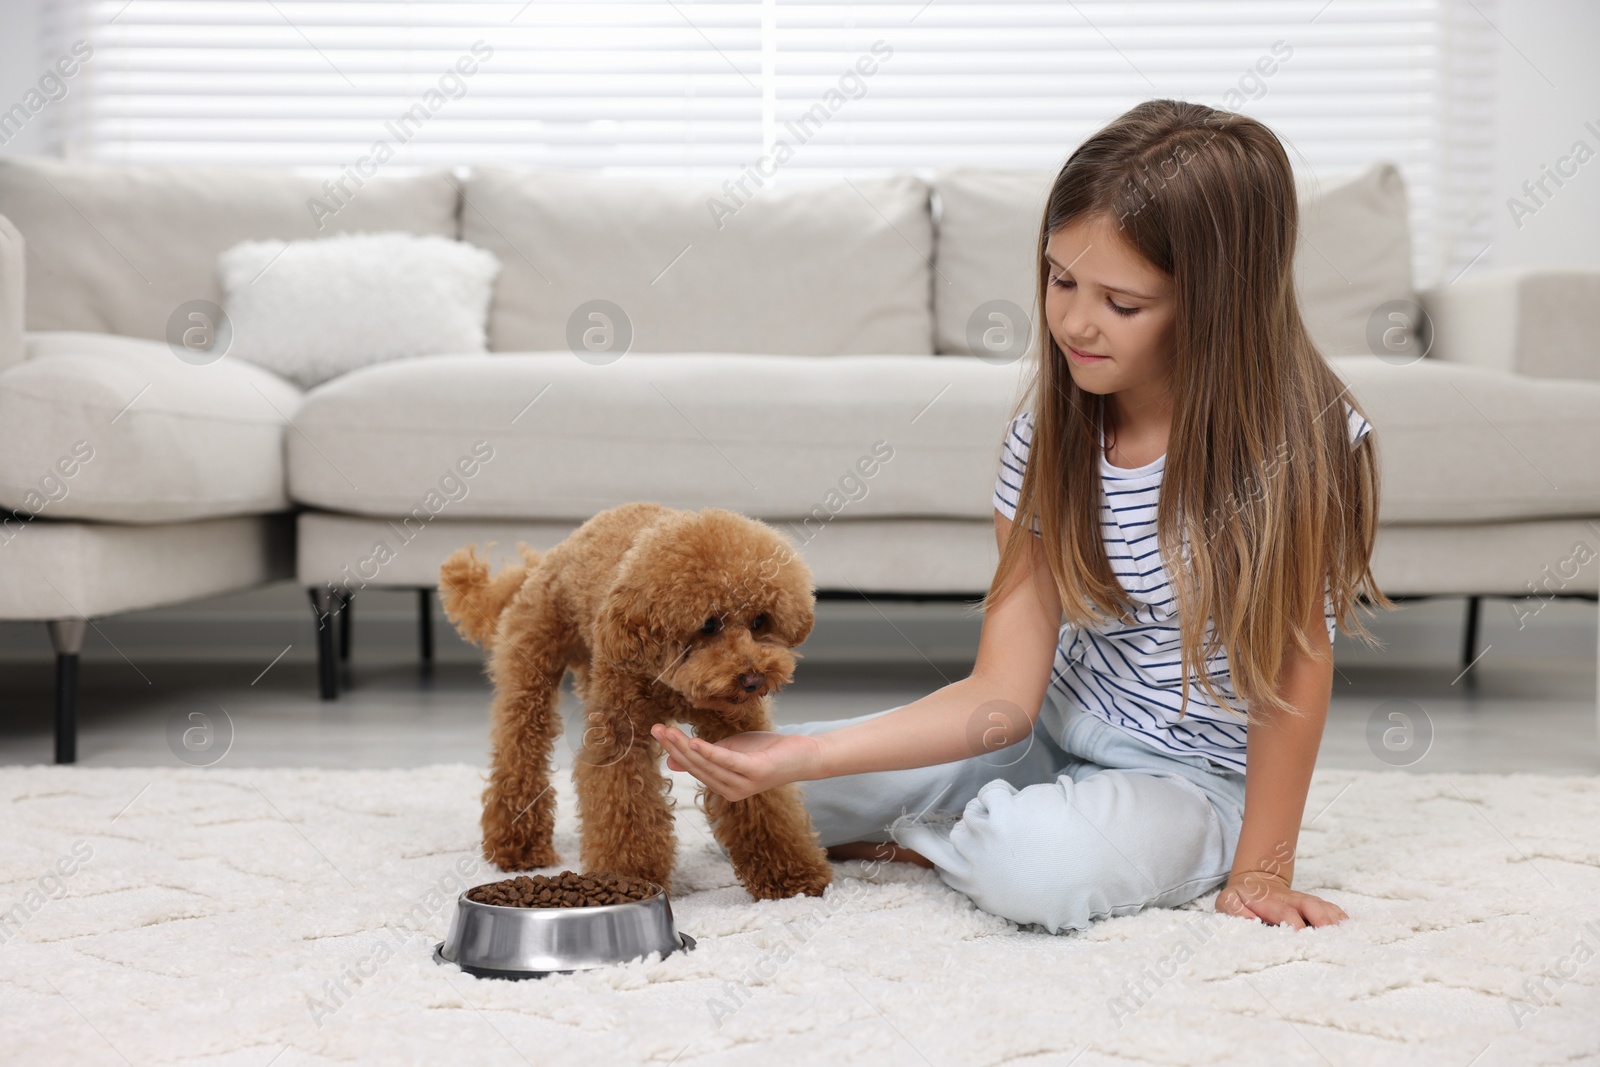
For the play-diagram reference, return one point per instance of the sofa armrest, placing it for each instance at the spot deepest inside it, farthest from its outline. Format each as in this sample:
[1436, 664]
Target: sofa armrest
[11, 294]
[1540, 321]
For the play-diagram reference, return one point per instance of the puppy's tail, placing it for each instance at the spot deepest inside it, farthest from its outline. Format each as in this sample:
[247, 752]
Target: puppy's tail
[473, 599]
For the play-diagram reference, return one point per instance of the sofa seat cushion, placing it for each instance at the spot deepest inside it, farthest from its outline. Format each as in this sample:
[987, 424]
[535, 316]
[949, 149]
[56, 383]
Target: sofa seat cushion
[548, 436]
[840, 268]
[1468, 444]
[116, 429]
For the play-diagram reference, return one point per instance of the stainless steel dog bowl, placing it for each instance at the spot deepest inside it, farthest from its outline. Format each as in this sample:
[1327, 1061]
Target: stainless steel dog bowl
[492, 941]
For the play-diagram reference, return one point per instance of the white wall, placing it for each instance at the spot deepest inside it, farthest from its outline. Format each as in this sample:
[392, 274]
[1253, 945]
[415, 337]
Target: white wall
[1548, 86]
[22, 60]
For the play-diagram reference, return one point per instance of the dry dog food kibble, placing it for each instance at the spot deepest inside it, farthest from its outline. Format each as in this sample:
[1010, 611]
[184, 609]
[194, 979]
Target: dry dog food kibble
[568, 889]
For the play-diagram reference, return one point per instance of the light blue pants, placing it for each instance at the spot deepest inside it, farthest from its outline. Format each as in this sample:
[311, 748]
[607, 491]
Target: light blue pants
[1054, 830]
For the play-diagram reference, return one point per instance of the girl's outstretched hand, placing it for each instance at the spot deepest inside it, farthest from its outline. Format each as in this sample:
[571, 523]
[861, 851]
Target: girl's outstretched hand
[744, 764]
[1258, 895]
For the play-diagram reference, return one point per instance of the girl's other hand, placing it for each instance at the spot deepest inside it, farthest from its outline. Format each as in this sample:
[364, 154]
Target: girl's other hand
[1258, 895]
[744, 764]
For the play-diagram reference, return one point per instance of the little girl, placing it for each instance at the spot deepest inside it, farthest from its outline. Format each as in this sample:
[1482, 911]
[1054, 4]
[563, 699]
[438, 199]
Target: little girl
[1177, 410]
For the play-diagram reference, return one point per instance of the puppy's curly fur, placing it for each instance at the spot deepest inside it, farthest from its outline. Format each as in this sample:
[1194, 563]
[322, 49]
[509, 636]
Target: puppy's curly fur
[662, 615]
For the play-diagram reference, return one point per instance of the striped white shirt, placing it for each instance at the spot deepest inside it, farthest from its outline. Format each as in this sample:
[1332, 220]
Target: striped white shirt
[1129, 674]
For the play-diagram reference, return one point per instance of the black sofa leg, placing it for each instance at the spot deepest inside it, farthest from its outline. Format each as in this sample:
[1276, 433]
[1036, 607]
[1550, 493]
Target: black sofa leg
[425, 628]
[1469, 642]
[66, 635]
[327, 669]
[344, 627]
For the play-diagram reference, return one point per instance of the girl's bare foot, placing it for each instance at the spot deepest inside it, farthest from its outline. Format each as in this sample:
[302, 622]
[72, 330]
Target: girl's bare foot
[878, 850]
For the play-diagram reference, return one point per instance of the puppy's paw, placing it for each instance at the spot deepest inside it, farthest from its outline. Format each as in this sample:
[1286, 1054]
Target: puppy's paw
[807, 877]
[520, 856]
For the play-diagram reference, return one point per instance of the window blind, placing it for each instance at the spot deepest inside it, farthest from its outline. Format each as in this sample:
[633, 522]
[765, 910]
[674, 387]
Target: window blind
[711, 89]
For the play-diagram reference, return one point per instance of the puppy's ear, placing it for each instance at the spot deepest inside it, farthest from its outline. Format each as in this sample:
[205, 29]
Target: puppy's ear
[794, 607]
[795, 615]
[625, 637]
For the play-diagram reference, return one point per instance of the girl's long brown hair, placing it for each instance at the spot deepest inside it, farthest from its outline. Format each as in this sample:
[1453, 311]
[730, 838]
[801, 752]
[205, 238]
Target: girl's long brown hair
[1262, 495]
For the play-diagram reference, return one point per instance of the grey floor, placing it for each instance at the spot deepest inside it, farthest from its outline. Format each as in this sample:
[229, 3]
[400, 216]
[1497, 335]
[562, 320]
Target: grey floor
[1527, 705]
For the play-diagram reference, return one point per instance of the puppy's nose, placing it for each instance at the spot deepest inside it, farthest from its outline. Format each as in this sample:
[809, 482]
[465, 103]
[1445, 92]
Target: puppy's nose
[752, 681]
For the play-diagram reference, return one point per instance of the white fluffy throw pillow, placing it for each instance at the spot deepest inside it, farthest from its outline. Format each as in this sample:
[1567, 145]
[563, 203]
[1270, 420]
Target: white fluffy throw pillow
[314, 309]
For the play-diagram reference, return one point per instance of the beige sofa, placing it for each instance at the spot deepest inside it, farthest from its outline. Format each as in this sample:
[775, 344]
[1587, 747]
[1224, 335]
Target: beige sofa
[767, 364]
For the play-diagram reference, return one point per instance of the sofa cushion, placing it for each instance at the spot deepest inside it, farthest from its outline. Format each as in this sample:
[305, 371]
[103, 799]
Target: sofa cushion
[986, 229]
[834, 269]
[313, 310]
[545, 436]
[548, 436]
[1354, 252]
[119, 248]
[117, 429]
[1466, 444]
[1541, 321]
[13, 284]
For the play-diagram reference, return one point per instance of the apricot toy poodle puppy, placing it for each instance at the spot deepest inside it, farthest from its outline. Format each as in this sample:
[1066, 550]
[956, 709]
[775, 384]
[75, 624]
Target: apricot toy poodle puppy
[662, 615]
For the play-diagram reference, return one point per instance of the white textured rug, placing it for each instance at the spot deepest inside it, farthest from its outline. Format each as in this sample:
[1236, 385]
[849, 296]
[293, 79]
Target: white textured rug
[210, 916]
